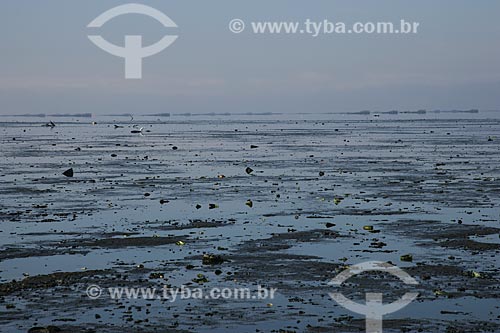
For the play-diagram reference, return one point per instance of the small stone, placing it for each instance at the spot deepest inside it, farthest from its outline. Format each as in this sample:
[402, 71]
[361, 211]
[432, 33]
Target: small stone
[68, 173]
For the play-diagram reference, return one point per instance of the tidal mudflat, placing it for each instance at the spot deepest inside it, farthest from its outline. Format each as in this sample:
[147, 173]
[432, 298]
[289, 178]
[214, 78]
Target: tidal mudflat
[281, 201]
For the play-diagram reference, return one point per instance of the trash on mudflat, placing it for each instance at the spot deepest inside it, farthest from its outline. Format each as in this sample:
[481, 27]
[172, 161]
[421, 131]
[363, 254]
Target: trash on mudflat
[221, 176]
[68, 173]
[213, 206]
[248, 170]
[368, 227]
[200, 278]
[156, 276]
[321, 173]
[329, 225]
[212, 259]
[337, 200]
[180, 243]
[198, 206]
[406, 257]
[253, 146]
[249, 203]
[137, 131]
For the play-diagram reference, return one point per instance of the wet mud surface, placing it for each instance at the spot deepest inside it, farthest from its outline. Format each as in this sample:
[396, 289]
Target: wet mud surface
[285, 203]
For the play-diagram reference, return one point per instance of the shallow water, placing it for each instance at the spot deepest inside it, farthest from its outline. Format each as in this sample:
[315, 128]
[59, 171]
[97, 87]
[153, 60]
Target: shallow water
[426, 183]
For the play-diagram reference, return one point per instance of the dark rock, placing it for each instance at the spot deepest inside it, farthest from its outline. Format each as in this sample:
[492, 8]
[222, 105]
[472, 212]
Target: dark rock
[68, 173]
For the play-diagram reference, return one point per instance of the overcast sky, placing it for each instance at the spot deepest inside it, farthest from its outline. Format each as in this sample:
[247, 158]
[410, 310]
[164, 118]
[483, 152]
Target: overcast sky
[49, 65]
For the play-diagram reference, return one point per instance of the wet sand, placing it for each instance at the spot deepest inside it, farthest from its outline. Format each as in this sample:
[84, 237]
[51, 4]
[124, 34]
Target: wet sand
[326, 191]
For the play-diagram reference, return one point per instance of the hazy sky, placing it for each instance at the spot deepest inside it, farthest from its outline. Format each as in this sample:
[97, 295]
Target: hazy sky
[49, 65]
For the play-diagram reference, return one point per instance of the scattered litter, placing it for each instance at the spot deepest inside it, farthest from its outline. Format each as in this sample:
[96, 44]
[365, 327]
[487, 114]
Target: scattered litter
[200, 278]
[406, 257]
[212, 259]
